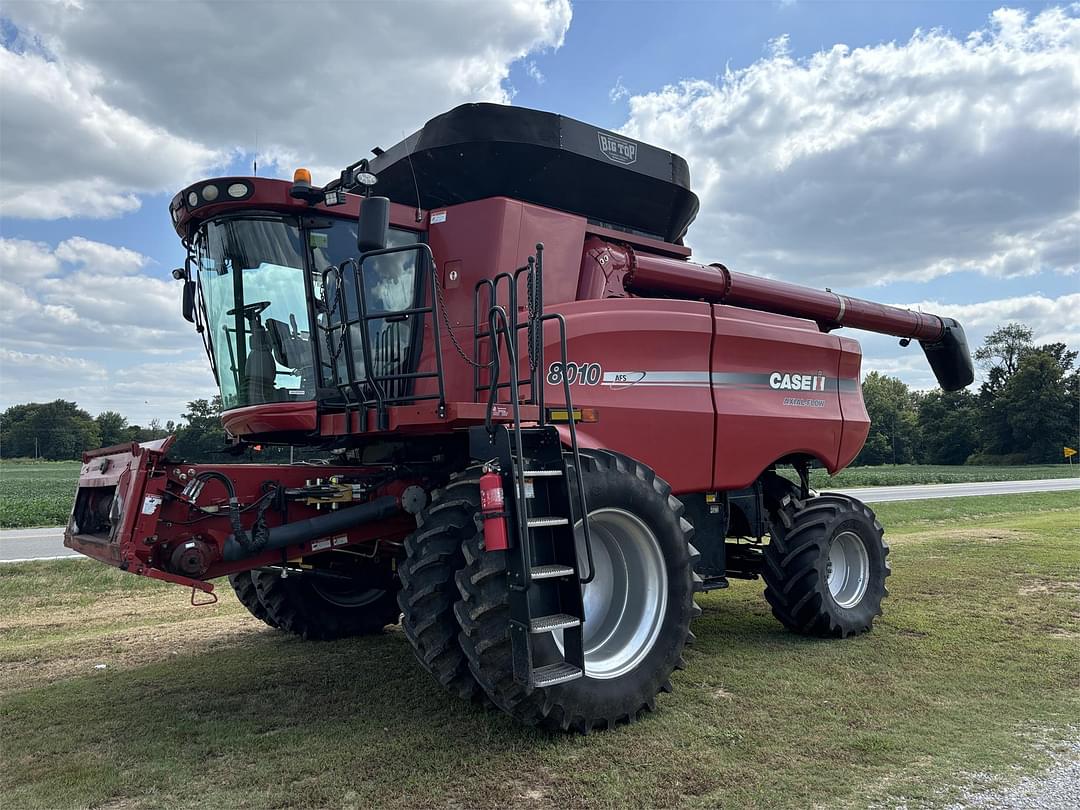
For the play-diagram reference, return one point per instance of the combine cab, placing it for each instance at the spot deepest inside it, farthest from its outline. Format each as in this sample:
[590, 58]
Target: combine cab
[543, 427]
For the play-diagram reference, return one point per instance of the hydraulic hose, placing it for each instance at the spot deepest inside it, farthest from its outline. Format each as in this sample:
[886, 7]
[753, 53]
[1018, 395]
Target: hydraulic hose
[303, 531]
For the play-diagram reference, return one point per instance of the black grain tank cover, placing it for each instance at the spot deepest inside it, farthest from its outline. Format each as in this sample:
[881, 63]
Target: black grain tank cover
[488, 150]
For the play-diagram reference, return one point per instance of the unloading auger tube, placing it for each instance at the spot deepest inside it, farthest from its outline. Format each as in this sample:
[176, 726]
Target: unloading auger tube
[942, 339]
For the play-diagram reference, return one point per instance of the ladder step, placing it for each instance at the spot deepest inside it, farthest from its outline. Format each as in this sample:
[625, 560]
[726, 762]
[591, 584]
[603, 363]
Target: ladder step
[556, 621]
[551, 571]
[541, 522]
[542, 473]
[554, 673]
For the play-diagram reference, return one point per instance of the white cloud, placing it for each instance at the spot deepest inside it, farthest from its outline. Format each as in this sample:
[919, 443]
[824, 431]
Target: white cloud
[894, 161]
[618, 92]
[23, 261]
[140, 392]
[534, 72]
[1051, 320]
[106, 101]
[83, 252]
[86, 295]
[67, 152]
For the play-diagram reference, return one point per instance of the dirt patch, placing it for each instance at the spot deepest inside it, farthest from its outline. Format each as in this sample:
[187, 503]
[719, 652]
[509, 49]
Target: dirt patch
[124, 649]
[108, 610]
[1037, 587]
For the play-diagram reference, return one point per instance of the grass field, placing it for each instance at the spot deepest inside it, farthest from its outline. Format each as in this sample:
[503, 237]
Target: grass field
[36, 493]
[41, 493]
[890, 475]
[115, 693]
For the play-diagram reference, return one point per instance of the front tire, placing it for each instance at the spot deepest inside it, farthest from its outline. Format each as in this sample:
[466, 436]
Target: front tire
[618, 685]
[243, 586]
[326, 610]
[433, 556]
[825, 566]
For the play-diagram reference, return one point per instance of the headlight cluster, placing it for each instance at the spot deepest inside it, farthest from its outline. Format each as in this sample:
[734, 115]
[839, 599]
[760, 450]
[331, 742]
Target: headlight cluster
[210, 192]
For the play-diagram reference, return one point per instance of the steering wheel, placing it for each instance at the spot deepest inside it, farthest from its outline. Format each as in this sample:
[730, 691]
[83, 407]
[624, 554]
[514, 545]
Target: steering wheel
[250, 310]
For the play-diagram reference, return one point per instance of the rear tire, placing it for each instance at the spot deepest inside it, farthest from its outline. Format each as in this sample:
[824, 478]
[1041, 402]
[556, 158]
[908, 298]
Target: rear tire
[321, 612]
[244, 587]
[618, 486]
[433, 556]
[825, 566]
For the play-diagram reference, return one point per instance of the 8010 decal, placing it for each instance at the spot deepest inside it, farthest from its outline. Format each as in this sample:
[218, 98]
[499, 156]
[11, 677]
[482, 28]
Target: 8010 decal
[575, 373]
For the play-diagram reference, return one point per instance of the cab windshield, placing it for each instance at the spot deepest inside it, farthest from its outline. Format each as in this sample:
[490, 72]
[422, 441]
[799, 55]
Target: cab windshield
[251, 273]
[252, 276]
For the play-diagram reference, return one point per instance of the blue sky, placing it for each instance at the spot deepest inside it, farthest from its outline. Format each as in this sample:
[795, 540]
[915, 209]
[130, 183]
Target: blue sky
[993, 217]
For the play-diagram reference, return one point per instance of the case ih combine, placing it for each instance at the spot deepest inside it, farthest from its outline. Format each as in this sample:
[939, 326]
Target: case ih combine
[544, 427]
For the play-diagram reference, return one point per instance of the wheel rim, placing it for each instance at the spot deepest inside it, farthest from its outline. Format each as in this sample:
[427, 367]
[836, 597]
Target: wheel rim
[848, 569]
[344, 593]
[626, 600]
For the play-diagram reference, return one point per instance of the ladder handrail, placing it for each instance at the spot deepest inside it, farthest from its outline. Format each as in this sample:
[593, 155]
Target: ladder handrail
[500, 324]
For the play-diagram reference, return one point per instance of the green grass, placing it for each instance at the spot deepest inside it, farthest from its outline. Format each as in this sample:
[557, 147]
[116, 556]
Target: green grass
[36, 493]
[905, 474]
[976, 658]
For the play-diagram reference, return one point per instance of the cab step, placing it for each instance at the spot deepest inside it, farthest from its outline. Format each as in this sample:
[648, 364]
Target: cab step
[545, 522]
[556, 621]
[553, 674]
[551, 571]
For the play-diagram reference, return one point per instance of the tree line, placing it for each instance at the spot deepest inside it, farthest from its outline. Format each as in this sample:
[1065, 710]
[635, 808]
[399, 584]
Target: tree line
[62, 430]
[1025, 411]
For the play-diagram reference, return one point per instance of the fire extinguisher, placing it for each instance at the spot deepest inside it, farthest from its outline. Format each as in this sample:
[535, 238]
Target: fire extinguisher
[492, 509]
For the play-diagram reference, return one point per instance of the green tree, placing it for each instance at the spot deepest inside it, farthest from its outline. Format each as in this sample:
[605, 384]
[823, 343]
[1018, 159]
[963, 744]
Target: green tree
[200, 436]
[948, 426]
[113, 428]
[894, 421]
[1038, 406]
[1027, 405]
[51, 430]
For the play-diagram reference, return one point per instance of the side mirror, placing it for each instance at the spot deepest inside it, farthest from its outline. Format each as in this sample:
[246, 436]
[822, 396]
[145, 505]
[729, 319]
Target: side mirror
[189, 301]
[373, 225]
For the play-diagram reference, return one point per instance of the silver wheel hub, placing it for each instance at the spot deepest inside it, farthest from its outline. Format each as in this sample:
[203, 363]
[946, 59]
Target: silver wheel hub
[626, 600]
[847, 569]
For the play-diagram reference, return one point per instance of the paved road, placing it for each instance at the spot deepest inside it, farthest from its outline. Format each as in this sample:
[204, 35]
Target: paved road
[923, 491]
[48, 544]
[34, 544]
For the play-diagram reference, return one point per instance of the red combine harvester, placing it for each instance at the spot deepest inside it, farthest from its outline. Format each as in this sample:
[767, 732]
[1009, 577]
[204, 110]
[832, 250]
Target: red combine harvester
[544, 427]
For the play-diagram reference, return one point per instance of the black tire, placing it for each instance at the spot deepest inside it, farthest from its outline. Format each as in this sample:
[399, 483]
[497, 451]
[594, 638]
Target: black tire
[433, 556]
[301, 605]
[244, 587]
[797, 566]
[611, 481]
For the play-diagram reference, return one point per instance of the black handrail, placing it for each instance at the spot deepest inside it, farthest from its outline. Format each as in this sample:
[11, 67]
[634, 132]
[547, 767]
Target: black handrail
[376, 393]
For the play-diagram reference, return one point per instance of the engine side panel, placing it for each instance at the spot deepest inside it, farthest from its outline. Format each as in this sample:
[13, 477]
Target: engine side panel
[776, 385]
[709, 396]
[643, 364]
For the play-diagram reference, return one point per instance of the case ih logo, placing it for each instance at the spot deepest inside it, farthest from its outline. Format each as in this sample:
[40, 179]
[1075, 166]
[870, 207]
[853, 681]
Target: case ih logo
[616, 149]
[796, 382]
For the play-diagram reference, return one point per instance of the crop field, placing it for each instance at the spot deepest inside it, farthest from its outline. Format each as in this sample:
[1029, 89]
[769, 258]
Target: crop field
[36, 493]
[116, 693]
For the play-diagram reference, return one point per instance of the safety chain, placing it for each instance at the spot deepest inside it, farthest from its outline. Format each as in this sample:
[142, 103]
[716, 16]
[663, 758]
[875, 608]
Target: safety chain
[449, 329]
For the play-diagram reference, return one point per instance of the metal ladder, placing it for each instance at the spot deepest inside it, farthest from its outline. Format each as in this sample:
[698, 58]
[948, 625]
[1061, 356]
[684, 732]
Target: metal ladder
[543, 572]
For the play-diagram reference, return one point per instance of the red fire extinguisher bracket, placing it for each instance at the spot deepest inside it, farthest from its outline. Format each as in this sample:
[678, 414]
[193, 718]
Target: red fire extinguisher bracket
[493, 509]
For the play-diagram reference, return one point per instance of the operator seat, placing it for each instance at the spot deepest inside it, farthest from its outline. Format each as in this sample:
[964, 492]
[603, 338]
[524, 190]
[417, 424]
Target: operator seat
[260, 368]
